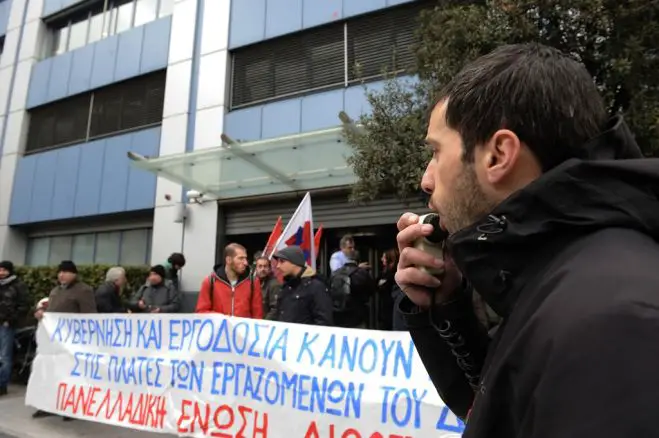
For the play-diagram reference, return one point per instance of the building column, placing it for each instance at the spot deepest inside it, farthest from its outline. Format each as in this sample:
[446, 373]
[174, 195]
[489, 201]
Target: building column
[24, 42]
[193, 119]
[209, 108]
[167, 230]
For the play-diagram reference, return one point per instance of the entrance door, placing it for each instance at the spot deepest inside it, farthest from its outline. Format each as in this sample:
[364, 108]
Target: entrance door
[370, 242]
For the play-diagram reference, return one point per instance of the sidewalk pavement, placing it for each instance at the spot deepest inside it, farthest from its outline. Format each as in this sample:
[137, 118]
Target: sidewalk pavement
[16, 422]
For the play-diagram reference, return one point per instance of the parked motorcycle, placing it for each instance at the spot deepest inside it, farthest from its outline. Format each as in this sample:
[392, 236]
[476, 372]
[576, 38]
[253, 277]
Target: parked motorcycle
[25, 350]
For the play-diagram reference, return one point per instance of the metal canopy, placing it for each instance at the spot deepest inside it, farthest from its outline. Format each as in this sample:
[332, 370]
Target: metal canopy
[292, 163]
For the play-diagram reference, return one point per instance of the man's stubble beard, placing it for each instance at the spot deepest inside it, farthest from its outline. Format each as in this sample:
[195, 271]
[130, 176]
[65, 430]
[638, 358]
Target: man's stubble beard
[469, 203]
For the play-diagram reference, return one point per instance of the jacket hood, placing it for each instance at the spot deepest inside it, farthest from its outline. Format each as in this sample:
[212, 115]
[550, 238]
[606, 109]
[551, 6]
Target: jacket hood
[221, 273]
[308, 272]
[612, 186]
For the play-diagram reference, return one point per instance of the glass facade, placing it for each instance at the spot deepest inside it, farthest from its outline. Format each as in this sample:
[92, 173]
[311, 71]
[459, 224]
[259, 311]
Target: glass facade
[109, 18]
[127, 248]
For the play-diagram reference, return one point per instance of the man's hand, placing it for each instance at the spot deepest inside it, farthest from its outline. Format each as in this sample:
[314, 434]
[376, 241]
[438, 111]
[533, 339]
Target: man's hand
[5, 324]
[365, 265]
[417, 284]
[38, 314]
[141, 304]
[156, 310]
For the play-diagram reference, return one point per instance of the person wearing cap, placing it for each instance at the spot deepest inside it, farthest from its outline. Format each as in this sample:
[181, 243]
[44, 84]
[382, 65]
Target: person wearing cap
[157, 295]
[304, 298]
[13, 305]
[69, 296]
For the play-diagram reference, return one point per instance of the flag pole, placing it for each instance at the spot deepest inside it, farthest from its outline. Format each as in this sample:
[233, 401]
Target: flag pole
[312, 256]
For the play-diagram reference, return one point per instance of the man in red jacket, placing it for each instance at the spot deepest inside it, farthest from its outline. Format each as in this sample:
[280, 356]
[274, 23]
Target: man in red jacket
[229, 289]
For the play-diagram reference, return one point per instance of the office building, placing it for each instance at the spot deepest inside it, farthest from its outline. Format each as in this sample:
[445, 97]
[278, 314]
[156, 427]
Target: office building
[238, 100]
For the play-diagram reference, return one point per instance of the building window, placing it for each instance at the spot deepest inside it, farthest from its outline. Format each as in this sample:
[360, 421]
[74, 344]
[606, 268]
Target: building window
[127, 248]
[108, 245]
[83, 248]
[133, 104]
[60, 249]
[331, 56]
[145, 11]
[72, 30]
[38, 251]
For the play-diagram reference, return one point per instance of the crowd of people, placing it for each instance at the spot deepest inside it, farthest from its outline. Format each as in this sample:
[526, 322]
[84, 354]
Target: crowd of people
[544, 319]
[282, 287]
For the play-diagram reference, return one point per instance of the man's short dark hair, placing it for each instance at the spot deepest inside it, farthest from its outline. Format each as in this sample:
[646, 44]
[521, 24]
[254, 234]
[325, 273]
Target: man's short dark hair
[232, 249]
[347, 239]
[544, 96]
[262, 257]
[177, 259]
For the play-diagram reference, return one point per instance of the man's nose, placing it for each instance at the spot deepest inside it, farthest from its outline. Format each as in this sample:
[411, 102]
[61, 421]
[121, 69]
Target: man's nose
[427, 182]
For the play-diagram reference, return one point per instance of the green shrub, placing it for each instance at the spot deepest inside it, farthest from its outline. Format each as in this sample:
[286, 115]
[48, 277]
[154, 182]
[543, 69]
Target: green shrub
[40, 280]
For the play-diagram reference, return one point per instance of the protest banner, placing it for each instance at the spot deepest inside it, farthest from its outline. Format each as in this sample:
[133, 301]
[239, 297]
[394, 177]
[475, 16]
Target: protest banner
[214, 376]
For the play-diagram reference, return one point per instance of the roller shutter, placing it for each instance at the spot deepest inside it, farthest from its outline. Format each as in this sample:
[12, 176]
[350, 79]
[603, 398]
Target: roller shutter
[331, 212]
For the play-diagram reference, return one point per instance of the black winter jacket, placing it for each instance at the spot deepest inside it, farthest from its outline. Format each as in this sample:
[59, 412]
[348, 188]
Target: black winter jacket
[362, 288]
[108, 299]
[305, 300]
[270, 290]
[571, 264]
[13, 300]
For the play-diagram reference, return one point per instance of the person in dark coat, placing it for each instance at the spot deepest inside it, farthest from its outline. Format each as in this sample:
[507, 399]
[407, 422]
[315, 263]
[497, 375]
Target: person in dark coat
[157, 295]
[355, 312]
[270, 287]
[304, 298]
[13, 306]
[553, 215]
[70, 296]
[108, 295]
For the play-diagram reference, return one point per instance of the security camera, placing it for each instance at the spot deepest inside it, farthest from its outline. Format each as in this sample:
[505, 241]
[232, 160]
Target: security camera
[194, 195]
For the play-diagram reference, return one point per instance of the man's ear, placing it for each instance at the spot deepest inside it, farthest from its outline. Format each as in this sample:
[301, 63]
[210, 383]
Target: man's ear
[500, 155]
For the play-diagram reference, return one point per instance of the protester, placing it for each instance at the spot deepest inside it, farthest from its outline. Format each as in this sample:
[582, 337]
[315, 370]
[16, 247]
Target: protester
[387, 293]
[108, 295]
[351, 288]
[70, 296]
[229, 289]
[13, 306]
[553, 217]
[270, 287]
[304, 298]
[347, 252]
[173, 265]
[252, 269]
[157, 295]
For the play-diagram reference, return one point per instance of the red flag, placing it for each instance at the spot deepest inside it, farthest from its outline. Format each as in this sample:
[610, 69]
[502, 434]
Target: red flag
[316, 239]
[274, 237]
